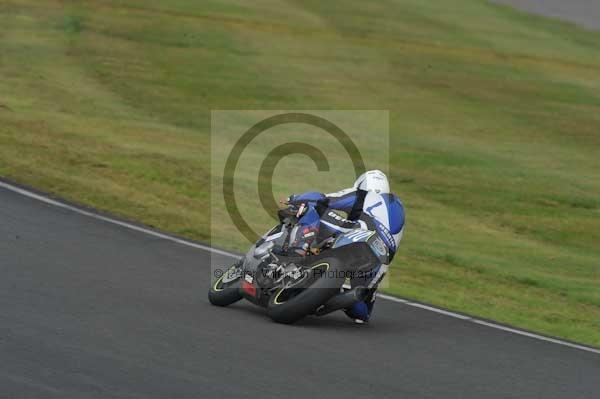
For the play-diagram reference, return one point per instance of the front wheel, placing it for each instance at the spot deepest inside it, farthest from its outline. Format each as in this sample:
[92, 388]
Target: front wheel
[226, 289]
[291, 303]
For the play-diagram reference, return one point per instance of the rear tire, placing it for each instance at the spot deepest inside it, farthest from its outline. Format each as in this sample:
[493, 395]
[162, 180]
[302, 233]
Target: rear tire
[288, 311]
[225, 293]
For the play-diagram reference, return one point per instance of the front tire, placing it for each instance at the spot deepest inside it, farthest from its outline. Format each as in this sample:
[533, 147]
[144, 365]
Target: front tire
[225, 291]
[287, 308]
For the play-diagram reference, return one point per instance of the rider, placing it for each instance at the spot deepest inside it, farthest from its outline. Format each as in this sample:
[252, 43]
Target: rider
[368, 204]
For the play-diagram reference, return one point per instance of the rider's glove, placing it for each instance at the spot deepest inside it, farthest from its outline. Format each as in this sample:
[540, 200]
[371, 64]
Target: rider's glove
[288, 214]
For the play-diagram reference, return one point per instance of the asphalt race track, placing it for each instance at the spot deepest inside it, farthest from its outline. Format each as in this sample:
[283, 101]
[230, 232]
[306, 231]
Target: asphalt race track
[89, 309]
[582, 12]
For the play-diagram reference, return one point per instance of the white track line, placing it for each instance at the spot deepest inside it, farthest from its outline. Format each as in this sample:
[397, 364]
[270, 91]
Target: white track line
[113, 221]
[532, 335]
[407, 302]
[426, 307]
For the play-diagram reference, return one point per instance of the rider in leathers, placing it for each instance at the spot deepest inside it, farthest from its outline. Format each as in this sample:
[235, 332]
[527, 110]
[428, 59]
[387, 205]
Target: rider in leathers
[368, 204]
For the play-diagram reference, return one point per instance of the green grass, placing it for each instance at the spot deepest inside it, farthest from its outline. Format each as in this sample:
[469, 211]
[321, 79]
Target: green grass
[495, 121]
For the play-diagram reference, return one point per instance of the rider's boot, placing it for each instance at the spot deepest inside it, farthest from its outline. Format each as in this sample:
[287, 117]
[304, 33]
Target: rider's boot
[361, 311]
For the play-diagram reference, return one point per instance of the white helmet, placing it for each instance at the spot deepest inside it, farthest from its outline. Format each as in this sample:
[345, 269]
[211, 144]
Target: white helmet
[373, 180]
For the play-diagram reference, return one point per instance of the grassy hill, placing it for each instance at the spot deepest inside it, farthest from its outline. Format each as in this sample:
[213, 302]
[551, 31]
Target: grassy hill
[495, 123]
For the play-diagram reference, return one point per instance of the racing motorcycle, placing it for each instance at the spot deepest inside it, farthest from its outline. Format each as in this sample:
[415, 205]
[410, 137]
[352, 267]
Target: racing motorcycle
[292, 278]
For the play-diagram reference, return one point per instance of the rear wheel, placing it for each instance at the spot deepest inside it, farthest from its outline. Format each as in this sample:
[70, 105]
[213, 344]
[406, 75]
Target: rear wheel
[291, 303]
[226, 289]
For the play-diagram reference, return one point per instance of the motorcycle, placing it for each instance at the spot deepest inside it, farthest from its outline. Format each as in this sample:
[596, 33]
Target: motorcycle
[291, 278]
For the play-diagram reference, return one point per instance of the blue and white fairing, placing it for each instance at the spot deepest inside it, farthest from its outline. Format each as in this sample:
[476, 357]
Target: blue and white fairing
[382, 225]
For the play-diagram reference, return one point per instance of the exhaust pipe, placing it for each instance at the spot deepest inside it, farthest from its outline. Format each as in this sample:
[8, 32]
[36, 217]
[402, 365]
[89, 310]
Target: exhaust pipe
[343, 300]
